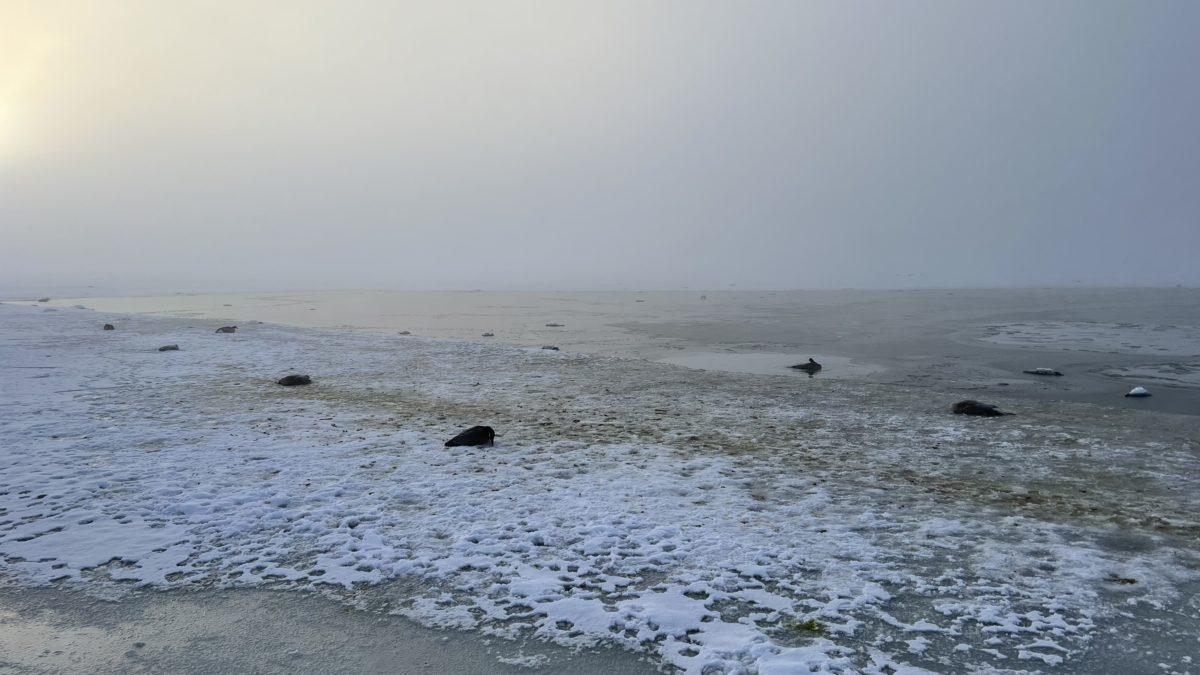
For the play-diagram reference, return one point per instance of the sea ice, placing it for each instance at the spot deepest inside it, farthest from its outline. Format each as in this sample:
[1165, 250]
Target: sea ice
[625, 502]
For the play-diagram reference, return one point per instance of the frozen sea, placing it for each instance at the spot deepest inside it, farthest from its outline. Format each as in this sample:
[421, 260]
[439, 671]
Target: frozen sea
[663, 484]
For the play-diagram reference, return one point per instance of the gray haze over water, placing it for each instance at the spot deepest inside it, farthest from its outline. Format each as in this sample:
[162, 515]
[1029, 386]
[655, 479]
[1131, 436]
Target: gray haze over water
[155, 147]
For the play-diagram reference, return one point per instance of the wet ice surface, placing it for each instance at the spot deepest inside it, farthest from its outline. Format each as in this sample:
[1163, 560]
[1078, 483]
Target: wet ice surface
[760, 363]
[701, 517]
[927, 338]
[1172, 374]
[1121, 338]
[46, 630]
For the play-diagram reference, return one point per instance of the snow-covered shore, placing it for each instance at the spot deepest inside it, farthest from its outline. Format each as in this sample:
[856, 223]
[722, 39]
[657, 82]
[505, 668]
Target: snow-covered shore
[703, 517]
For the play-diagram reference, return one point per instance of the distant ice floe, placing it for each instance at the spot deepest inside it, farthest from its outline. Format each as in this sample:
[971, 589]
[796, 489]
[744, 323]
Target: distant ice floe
[605, 513]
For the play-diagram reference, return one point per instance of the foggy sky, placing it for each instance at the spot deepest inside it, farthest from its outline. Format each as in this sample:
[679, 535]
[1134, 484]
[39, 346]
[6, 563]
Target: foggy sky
[233, 145]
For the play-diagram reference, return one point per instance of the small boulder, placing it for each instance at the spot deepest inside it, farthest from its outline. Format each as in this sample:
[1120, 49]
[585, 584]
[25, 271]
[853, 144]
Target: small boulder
[977, 409]
[1138, 392]
[169, 348]
[474, 436]
[810, 367]
[489, 335]
[294, 380]
[43, 299]
[109, 326]
[227, 329]
[551, 348]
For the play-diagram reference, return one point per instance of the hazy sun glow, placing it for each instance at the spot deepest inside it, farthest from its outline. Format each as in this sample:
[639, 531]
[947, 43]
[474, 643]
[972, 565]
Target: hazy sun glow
[21, 66]
[5, 129]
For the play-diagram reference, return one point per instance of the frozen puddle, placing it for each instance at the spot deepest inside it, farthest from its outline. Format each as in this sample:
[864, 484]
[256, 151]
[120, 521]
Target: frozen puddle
[759, 526]
[1122, 338]
[762, 363]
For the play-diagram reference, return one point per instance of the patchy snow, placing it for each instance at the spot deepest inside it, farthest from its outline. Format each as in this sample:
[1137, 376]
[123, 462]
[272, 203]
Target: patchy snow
[702, 517]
